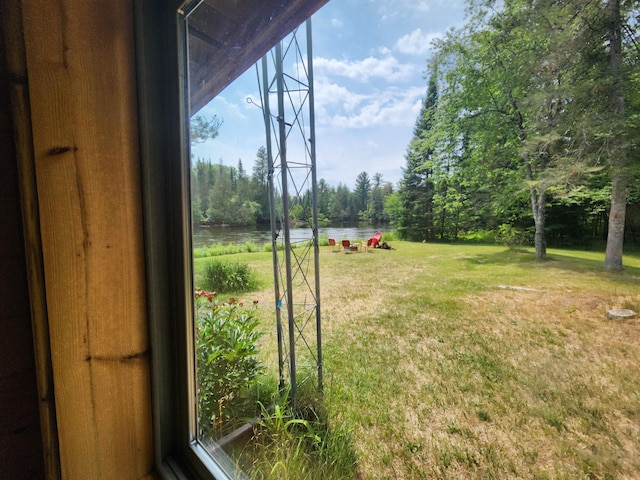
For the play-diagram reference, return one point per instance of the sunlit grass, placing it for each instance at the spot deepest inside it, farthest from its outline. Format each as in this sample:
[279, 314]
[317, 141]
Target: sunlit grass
[450, 361]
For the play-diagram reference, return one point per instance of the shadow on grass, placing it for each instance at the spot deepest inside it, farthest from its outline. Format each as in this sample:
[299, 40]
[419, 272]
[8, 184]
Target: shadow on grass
[508, 256]
[526, 259]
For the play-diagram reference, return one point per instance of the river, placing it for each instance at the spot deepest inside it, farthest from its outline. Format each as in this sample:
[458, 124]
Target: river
[209, 235]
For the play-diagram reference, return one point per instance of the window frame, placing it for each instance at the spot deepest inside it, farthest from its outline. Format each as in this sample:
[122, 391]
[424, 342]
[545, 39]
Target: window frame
[163, 132]
[161, 46]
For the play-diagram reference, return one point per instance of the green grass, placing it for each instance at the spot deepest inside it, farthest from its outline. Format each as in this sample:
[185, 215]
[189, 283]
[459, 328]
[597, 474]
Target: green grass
[471, 361]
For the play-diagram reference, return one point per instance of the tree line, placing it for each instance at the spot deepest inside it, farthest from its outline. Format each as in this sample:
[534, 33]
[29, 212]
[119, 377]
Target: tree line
[529, 129]
[531, 122]
[227, 195]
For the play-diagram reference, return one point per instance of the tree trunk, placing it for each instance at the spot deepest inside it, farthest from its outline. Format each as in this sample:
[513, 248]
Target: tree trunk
[538, 207]
[615, 235]
[619, 180]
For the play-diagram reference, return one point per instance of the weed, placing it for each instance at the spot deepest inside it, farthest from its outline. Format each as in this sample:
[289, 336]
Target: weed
[223, 276]
[286, 446]
[483, 415]
[229, 249]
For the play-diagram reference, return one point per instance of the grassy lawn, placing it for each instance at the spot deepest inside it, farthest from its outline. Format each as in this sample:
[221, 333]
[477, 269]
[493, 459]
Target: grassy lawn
[459, 361]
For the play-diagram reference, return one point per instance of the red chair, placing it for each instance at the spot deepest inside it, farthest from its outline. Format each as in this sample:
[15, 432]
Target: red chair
[334, 245]
[375, 240]
[369, 243]
[348, 248]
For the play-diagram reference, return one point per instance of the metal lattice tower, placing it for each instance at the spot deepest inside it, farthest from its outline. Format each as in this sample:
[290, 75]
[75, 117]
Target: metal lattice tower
[287, 78]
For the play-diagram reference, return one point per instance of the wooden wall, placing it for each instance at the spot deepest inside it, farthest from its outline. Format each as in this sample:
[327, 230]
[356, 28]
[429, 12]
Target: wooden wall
[21, 455]
[80, 60]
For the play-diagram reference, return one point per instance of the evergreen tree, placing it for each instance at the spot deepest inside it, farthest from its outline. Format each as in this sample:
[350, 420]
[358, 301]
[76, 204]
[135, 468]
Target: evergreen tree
[416, 188]
[202, 129]
[361, 193]
[260, 185]
[340, 207]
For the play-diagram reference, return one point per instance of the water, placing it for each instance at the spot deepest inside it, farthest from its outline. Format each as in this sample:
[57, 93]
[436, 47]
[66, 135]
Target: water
[209, 235]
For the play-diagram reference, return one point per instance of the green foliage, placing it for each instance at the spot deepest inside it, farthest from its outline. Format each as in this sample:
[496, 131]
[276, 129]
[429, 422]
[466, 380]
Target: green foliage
[393, 207]
[389, 236]
[229, 249]
[518, 116]
[299, 443]
[224, 195]
[416, 217]
[222, 276]
[203, 129]
[479, 236]
[512, 237]
[226, 362]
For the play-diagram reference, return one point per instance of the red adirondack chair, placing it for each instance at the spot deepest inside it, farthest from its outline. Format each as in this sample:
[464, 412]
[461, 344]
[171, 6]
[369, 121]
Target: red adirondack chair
[375, 240]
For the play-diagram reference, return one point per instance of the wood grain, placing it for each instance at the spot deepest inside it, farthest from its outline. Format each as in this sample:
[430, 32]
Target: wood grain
[80, 58]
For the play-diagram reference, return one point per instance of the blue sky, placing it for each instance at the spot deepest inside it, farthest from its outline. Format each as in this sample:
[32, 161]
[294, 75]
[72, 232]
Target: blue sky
[370, 59]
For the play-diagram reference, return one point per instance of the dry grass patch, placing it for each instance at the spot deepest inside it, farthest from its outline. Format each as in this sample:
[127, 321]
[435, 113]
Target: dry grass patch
[449, 376]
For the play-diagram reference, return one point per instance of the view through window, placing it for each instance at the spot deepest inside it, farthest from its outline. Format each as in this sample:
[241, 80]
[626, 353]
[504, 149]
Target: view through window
[257, 335]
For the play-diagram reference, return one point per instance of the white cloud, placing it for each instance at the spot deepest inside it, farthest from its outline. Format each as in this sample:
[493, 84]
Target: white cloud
[393, 9]
[416, 42]
[336, 22]
[337, 106]
[387, 68]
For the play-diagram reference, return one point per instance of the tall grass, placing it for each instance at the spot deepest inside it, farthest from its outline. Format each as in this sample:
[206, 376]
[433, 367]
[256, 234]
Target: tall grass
[300, 442]
[229, 249]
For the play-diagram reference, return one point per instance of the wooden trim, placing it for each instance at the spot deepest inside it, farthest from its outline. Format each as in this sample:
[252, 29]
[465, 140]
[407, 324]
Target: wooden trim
[82, 84]
[11, 15]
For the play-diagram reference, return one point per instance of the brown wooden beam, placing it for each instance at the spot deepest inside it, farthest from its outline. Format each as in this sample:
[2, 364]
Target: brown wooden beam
[81, 65]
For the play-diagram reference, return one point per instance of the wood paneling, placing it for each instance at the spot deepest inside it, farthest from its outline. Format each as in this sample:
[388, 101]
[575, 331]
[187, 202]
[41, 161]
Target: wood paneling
[21, 454]
[81, 64]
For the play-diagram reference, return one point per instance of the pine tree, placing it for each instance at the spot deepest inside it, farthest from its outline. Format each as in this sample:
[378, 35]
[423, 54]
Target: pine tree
[416, 190]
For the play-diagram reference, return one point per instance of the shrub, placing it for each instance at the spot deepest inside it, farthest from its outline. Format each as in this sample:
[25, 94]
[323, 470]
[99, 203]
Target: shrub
[228, 277]
[226, 360]
[479, 236]
[390, 236]
[512, 237]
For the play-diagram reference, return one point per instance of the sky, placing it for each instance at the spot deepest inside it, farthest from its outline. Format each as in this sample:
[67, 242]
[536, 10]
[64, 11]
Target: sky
[370, 58]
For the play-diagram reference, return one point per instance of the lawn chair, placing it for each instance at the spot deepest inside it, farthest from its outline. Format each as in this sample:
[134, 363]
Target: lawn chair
[369, 243]
[347, 247]
[375, 240]
[333, 244]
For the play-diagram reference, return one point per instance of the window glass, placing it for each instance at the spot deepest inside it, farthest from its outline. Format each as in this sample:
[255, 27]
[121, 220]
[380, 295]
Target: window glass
[234, 362]
[247, 366]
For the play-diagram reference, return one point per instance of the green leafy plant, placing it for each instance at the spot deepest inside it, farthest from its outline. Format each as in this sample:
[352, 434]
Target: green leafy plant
[226, 360]
[228, 277]
[288, 446]
[511, 236]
